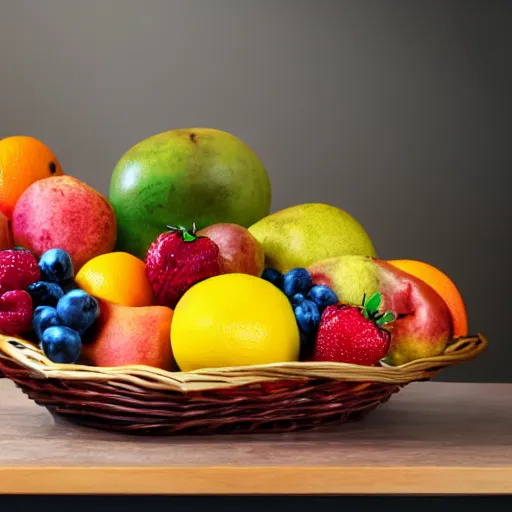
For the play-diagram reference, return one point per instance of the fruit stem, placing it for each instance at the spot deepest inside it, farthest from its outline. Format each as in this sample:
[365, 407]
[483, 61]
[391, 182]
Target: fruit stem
[188, 236]
[371, 310]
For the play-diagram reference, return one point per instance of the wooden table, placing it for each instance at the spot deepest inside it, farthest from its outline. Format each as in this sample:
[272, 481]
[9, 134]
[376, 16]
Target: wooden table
[430, 438]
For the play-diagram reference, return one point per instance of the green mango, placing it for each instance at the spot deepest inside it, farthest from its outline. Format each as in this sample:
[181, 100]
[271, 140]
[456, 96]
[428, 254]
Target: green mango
[184, 176]
[303, 234]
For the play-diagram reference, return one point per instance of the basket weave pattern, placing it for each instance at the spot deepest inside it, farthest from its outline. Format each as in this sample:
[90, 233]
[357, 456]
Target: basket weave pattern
[266, 398]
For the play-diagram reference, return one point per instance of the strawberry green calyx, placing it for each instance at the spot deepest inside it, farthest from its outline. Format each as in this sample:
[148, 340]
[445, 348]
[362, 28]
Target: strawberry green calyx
[188, 236]
[371, 310]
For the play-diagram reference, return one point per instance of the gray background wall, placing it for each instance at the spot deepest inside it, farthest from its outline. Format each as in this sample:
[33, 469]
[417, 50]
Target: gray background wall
[397, 111]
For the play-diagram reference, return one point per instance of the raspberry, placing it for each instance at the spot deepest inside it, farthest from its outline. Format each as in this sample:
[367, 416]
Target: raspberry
[18, 269]
[15, 313]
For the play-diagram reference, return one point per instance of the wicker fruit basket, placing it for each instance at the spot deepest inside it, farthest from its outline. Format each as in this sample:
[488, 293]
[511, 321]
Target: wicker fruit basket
[256, 399]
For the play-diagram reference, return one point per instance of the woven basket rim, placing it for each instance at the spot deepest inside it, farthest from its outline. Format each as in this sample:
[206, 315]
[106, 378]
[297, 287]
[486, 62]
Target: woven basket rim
[27, 355]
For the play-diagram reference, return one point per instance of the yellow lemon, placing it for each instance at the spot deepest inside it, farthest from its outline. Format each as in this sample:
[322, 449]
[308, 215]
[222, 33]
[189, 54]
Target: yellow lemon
[117, 277]
[233, 320]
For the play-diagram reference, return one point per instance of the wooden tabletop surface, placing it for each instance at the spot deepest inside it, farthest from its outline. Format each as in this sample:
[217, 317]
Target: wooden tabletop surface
[432, 437]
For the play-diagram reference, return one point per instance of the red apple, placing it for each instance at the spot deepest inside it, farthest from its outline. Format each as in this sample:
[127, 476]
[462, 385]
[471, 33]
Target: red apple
[240, 250]
[423, 326]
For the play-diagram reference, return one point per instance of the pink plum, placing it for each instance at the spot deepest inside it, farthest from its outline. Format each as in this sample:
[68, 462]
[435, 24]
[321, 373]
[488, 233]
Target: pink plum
[240, 250]
[64, 212]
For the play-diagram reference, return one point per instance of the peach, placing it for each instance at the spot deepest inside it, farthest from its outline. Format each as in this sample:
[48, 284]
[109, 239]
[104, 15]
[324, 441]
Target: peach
[128, 335]
[64, 212]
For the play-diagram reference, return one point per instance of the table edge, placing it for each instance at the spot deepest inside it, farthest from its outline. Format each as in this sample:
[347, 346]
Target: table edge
[266, 480]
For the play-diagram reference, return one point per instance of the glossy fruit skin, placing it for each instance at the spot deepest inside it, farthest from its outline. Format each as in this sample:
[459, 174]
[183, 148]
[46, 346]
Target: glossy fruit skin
[45, 293]
[444, 286]
[78, 310]
[173, 265]
[125, 335]
[273, 276]
[346, 336]
[56, 266]
[180, 176]
[23, 160]
[322, 296]
[233, 320]
[15, 313]
[117, 277]
[42, 318]
[18, 269]
[241, 252]
[308, 316]
[295, 281]
[297, 299]
[61, 344]
[67, 213]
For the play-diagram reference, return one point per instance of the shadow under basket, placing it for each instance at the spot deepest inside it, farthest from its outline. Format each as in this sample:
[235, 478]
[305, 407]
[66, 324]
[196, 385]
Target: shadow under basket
[253, 399]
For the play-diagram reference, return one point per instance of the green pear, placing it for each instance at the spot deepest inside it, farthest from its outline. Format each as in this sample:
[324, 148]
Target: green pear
[300, 235]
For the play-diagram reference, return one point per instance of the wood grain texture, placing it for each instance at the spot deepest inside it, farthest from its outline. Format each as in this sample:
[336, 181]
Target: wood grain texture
[430, 438]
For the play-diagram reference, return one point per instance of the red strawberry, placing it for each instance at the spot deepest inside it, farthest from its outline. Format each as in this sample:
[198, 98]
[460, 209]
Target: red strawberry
[177, 259]
[18, 269]
[353, 334]
[15, 313]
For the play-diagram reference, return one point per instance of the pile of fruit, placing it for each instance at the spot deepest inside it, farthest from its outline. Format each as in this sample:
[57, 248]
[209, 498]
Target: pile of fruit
[42, 299]
[183, 266]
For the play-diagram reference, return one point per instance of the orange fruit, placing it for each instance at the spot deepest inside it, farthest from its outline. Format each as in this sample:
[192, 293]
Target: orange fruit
[116, 277]
[23, 160]
[444, 286]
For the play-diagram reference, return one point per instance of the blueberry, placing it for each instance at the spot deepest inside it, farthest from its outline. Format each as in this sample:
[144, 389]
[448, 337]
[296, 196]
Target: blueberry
[307, 316]
[273, 276]
[297, 299]
[78, 310]
[42, 318]
[295, 281]
[68, 284]
[56, 266]
[44, 293]
[322, 296]
[61, 344]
